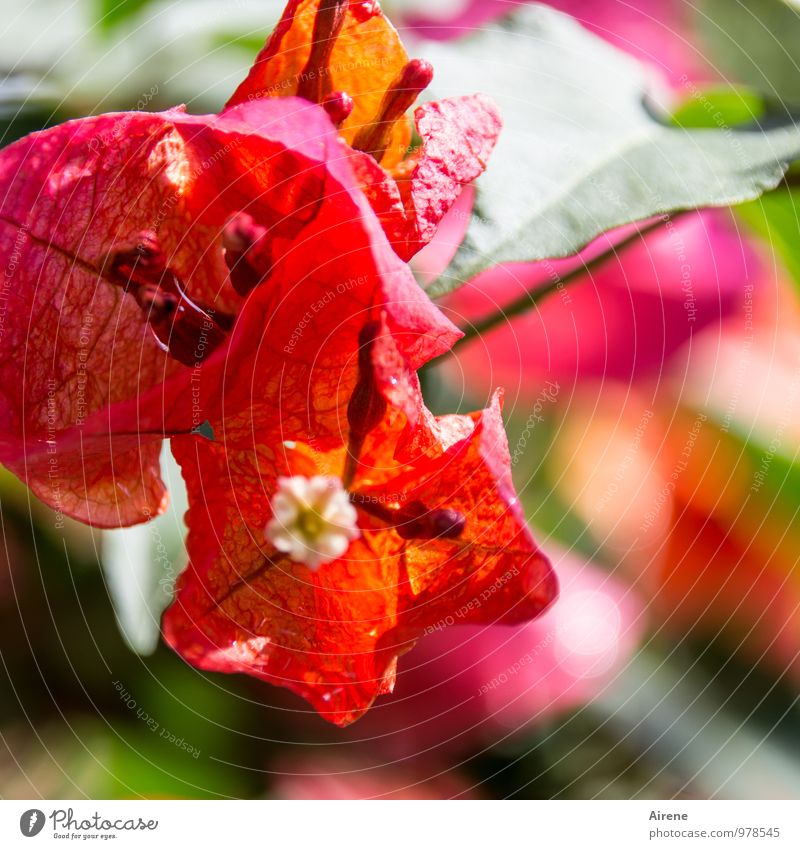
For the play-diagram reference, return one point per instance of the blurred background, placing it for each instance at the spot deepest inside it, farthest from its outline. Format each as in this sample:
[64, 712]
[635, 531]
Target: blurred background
[653, 410]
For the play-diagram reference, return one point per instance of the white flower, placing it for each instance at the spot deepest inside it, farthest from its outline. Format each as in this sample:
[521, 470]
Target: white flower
[313, 520]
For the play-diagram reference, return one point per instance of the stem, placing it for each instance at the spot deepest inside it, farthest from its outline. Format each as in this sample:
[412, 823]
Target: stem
[531, 299]
[351, 461]
[373, 508]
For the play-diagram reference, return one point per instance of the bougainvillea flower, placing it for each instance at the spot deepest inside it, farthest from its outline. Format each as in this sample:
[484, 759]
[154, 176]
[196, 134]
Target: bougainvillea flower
[346, 56]
[435, 527]
[120, 233]
[225, 282]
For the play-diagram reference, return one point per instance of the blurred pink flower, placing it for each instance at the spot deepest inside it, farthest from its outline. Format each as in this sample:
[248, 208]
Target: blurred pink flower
[466, 687]
[654, 31]
[657, 32]
[688, 485]
[626, 319]
[621, 322]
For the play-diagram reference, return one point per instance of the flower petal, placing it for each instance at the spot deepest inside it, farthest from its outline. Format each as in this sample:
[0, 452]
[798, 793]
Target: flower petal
[458, 136]
[71, 342]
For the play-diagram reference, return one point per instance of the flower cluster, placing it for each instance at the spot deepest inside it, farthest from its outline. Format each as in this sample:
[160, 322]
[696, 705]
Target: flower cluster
[237, 283]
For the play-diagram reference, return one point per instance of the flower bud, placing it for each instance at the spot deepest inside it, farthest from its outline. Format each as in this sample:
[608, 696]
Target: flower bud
[244, 244]
[339, 105]
[374, 138]
[415, 521]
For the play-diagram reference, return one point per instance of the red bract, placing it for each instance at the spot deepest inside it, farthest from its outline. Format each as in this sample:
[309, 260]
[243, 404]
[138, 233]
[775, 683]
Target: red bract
[119, 303]
[440, 531]
[345, 55]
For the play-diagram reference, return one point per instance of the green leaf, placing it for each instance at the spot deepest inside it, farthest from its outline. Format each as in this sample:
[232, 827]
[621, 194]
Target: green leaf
[112, 13]
[776, 218]
[710, 108]
[583, 149]
[757, 42]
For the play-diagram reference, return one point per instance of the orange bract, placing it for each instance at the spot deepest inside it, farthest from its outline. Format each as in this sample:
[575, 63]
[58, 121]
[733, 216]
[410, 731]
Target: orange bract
[349, 52]
[365, 59]
[334, 635]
